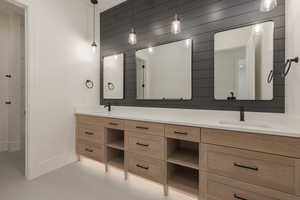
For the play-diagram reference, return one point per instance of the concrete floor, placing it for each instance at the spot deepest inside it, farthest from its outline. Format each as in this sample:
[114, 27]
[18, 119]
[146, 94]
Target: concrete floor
[82, 180]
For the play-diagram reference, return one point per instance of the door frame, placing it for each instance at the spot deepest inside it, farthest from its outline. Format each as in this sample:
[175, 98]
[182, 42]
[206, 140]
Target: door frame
[26, 5]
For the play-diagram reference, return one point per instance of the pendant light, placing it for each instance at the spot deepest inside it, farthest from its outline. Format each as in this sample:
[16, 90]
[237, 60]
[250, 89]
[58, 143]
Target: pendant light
[268, 5]
[132, 39]
[176, 23]
[94, 43]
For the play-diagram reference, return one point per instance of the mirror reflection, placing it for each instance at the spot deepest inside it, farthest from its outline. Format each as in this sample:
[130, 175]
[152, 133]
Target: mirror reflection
[113, 69]
[244, 63]
[165, 72]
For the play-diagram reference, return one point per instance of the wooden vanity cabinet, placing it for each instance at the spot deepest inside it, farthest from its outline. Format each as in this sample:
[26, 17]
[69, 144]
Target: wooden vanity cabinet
[211, 164]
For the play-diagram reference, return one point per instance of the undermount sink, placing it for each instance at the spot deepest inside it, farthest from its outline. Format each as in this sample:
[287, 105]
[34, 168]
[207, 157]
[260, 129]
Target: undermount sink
[244, 124]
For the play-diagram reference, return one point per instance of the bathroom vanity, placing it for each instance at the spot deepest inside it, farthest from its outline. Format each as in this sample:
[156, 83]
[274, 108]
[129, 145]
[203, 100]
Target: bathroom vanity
[205, 162]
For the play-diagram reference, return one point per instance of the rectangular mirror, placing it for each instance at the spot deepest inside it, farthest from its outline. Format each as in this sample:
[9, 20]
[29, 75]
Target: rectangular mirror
[243, 60]
[165, 72]
[113, 69]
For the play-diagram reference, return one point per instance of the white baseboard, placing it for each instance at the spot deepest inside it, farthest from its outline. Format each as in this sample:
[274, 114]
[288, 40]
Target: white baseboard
[50, 165]
[3, 146]
[14, 146]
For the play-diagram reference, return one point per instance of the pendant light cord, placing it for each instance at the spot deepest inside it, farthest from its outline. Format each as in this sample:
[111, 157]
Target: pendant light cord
[94, 24]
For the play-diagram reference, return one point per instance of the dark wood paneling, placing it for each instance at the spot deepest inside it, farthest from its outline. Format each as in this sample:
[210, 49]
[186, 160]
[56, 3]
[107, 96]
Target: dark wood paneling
[201, 19]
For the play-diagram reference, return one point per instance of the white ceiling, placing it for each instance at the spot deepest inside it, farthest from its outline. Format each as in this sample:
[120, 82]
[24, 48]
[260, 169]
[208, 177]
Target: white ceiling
[106, 4]
[9, 8]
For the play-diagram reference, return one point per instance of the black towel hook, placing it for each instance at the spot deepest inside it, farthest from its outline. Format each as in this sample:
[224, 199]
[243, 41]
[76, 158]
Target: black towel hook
[288, 65]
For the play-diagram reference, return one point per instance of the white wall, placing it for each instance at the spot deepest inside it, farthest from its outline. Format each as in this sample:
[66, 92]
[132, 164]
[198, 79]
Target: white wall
[4, 34]
[12, 62]
[292, 50]
[60, 61]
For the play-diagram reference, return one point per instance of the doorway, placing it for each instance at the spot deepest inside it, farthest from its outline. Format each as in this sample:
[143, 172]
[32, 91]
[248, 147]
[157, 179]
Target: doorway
[12, 87]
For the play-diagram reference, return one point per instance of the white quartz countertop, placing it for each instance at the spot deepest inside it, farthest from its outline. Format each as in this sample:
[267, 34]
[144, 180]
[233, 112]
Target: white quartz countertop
[271, 124]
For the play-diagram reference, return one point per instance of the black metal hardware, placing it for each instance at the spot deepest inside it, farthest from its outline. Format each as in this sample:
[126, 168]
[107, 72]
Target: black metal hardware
[113, 124]
[143, 145]
[245, 167]
[238, 197]
[94, 1]
[143, 85]
[232, 97]
[8, 76]
[142, 127]
[89, 150]
[242, 113]
[108, 106]
[288, 66]
[110, 86]
[7, 102]
[180, 133]
[89, 84]
[89, 133]
[142, 167]
[271, 76]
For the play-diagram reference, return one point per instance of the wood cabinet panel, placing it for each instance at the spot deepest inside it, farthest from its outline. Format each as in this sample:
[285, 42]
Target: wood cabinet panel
[145, 127]
[146, 167]
[91, 150]
[267, 170]
[214, 187]
[279, 145]
[148, 145]
[183, 133]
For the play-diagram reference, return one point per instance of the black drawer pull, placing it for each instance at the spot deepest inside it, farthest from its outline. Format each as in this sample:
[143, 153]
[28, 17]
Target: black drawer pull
[142, 127]
[180, 133]
[142, 167]
[113, 124]
[143, 145]
[245, 167]
[238, 197]
[89, 150]
[8, 76]
[7, 102]
[89, 133]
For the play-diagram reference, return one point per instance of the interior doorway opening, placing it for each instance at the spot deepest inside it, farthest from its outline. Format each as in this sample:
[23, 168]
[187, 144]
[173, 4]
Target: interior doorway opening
[12, 87]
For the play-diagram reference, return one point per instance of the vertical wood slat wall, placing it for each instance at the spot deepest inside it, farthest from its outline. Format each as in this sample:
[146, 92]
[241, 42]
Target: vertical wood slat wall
[201, 19]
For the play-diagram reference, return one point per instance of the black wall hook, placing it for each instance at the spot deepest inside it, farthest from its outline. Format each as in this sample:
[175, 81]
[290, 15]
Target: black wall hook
[288, 66]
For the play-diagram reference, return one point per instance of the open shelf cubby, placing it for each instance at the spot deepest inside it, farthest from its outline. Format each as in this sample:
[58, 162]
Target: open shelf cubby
[115, 157]
[183, 153]
[183, 178]
[115, 139]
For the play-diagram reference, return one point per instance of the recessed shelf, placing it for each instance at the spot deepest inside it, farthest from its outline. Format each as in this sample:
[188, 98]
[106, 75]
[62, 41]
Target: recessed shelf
[183, 153]
[183, 178]
[115, 157]
[115, 139]
[117, 162]
[185, 157]
[119, 144]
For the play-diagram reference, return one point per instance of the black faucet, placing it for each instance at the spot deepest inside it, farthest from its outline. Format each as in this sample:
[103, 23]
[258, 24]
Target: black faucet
[242, 113]
[108, 106]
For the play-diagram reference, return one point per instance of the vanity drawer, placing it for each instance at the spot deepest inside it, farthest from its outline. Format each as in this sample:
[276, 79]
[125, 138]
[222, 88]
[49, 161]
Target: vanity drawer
[146, 167]
[183, 133]
[114, 123]
[285, 146]
[145, 127]
[214, 187]
[93, 133]
[84, 119]
[90, 150]
[148, 145]
[267, 170]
